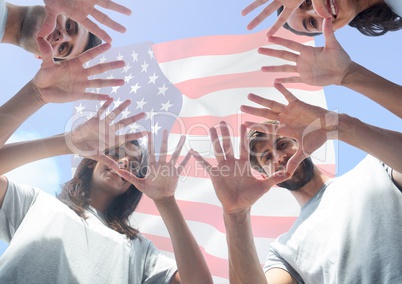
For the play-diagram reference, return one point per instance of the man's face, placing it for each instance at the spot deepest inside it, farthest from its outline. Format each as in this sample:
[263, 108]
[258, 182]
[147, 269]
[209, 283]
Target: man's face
[68, 39]
[273, 153]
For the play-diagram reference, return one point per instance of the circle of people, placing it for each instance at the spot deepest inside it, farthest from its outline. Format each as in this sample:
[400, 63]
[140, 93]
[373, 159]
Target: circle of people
[348, 230]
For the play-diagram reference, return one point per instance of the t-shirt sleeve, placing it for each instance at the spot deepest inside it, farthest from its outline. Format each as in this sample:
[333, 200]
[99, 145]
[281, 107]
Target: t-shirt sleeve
[274, 260]
[389, 170]
[156, 267]
[17, 201]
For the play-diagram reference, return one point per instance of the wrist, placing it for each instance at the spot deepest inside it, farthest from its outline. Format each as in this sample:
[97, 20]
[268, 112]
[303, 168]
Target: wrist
[238, 216]
[350, 72]
[36, 93]
[165, 201]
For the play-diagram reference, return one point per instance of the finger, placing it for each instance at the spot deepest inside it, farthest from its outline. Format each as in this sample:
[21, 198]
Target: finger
[262, 112]
[218, 152]
[105, 106]
[101, 83]
[114, 7]
[296, 46]
[253, 6]
[93, 52]
[49, 23]
[104, 67]
[109, 162]
[280, 21]
[205, 165]
[280, 68]
[244, 153]
[226, 140]
[295, 161]
[184, 163]
[164, 145]
[151, 151]
[129, 137]
[131, 178]
[292, 79]
[283, 54]
[271, 8]
[276, 178]
[264, 127]
[115, 113]
[95, 97]
[288, 95]
[96, 30]
[129, 120]
[271, 104]
[330, 39]
[46, 51]
[107, 21]
[178, 149]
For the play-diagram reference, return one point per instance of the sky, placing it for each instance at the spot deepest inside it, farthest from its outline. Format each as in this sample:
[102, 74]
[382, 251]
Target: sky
[160, 21]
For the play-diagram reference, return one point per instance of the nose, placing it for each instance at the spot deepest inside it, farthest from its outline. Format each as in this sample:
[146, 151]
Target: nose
[59, 35]
[123, 163]
[280, 157]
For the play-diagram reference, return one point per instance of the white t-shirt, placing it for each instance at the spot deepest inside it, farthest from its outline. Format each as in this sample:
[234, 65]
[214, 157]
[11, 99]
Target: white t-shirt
[3, 18]
[396, 6]
[349, 232]
[50, 243]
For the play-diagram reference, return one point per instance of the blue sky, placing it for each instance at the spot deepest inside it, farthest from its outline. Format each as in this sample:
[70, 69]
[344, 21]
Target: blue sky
[159, 21]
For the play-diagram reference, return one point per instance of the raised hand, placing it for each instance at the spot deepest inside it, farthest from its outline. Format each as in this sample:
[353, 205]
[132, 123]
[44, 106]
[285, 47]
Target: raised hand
[79, 10]
[98, 134]
[162, 176]
[289, 7]
[67, 81]
[318, 66]
[235, 185]
[310, 125]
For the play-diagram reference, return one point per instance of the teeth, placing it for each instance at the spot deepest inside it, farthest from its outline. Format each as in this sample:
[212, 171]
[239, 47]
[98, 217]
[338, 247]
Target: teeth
[332, 5]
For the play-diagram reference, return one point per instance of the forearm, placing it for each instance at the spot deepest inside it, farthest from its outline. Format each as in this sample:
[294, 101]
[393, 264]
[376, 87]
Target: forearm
[375, 87]
[190, 261]
[381, 143]
[17, 154]
[15, 111]
[244, 265]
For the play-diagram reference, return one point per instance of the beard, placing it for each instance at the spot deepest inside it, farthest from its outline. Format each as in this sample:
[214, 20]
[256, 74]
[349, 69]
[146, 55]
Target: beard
[303, 174]
[30, 26]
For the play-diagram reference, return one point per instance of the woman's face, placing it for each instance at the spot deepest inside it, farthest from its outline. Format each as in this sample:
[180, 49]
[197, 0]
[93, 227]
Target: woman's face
[308, 18]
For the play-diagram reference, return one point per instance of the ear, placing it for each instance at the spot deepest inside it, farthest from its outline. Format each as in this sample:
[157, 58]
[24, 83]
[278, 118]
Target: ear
[38, 56]
[91, 165]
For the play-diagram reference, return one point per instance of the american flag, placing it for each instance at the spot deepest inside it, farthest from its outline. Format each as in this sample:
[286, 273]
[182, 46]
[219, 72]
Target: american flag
[188, 86]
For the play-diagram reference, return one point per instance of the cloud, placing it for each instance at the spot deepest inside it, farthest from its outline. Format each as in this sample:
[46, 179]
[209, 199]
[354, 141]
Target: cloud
[43, 174]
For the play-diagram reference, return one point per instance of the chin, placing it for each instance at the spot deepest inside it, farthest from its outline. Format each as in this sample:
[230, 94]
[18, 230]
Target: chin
[303, 174]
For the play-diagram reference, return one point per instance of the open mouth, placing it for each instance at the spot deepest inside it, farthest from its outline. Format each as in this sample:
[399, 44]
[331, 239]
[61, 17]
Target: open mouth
[332, 7]
[115, 173]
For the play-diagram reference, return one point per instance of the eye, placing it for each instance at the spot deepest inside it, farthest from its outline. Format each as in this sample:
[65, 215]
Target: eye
[282, 145]
[313, 23]
[306, 4]
[68, 26]
[266, 158]
[62, 47]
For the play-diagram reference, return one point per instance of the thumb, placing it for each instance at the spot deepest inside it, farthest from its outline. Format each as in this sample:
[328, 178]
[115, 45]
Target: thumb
[49, 24]
[330, 39]
[46, 50]
[295, 161]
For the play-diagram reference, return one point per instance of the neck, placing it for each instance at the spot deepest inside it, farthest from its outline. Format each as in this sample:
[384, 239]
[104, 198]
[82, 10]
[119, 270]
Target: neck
[16, 15]
[100, 201]
[310, 189]
[365, 4]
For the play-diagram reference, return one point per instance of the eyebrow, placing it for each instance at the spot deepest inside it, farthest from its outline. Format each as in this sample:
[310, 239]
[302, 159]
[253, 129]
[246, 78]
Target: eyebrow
[75, 33]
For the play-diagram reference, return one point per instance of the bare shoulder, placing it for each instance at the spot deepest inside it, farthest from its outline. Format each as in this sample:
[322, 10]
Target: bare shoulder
[279, 276]
[3, 189]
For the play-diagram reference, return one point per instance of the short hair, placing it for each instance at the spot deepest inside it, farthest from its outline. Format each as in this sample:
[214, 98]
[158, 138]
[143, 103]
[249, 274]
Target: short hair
[255, 137]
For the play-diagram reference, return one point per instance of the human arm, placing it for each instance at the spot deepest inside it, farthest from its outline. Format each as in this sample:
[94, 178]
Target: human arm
[160, 185]
[237, 189]
[79, 10]
[322, 66]
[289, 7]
[312, 126]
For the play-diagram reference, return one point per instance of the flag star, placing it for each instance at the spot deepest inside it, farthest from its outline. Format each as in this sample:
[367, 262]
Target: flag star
[151, 53]
[135, 88]
[155, 128]
[114, 89]
[111, 76]
[80, 108]
[134, 55]
[76, 157]
[128, 78]
[91, 114]
[102, 59]
[126, 68]
[141, 103]
[107, 112]
[133, 127]
[163, 89]
[117, 103]
[120, 57]
[166, 106]
[152, 79]
[125, 113]
[150, 114]
[144, 67]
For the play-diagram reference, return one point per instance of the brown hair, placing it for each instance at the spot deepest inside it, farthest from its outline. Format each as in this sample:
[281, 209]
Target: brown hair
[75, 194]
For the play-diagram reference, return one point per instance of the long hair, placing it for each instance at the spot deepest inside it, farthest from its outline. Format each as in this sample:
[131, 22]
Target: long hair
[374, 21]
[75, 194]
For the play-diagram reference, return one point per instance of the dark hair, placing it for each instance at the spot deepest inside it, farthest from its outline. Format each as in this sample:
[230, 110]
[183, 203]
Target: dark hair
[374, 21]
[255, 137]
[377, 20]
[93, 41]
[75, 194]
